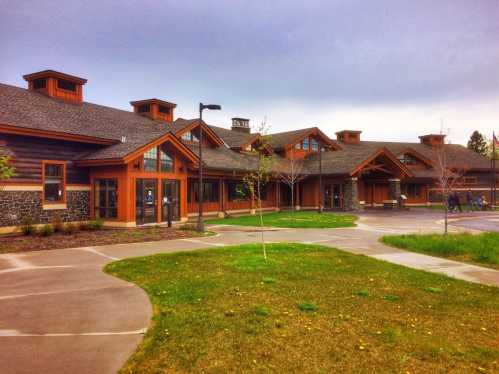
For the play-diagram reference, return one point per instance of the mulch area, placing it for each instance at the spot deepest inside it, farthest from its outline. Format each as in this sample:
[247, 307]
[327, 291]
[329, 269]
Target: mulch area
[21, 243]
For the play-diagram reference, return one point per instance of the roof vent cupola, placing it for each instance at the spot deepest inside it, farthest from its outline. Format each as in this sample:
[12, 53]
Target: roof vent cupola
[57, 85]
[433, 140]
[157, 110]
[348, 136]
[241, 125]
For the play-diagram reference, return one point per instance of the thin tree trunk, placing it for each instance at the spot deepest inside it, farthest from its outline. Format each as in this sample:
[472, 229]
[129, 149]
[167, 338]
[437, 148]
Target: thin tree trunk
[292, 199]
[261, 222]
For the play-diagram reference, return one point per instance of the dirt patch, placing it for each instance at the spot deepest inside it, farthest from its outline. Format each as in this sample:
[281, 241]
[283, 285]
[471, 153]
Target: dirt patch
[21, 243]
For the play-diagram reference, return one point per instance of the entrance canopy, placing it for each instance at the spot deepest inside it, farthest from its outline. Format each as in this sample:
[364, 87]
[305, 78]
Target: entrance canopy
[381, 163]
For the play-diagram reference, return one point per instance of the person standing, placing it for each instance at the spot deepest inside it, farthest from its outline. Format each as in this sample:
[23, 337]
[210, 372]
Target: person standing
[469, 200]
[457, 202]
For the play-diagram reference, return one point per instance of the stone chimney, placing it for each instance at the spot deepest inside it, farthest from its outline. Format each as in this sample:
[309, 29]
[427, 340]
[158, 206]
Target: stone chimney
[348, 136]
[57, 85]
[241, 125]
[433, 140]
[155, 109]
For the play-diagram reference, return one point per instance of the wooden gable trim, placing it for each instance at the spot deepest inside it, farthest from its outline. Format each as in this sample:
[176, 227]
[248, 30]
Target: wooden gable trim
[206, 131]
[317, 132]
[382, 151]
[418, 155]
[184, 150]
[15, 130]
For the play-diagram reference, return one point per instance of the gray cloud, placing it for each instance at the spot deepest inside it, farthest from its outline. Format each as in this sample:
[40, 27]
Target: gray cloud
[331, 52]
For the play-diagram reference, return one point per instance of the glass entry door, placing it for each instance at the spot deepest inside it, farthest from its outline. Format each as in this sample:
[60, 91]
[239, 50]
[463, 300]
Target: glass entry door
[171, 194]
[146, 198]
[333, 197]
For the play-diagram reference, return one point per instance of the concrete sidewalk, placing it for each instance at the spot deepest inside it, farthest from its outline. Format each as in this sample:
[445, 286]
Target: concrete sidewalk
[61, 313]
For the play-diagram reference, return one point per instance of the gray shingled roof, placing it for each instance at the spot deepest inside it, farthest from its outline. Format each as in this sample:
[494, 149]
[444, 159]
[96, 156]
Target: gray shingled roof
[234, 139]
[32, 110]
[457, 155]
[281, 139]
[222, 158]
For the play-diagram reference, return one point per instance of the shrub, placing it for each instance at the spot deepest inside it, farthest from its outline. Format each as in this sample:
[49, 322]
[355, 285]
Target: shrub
[307, 307]
[70, 228]
[96, 224]
[46, 230]
[57, 223]
[391, 297]
[27, 227]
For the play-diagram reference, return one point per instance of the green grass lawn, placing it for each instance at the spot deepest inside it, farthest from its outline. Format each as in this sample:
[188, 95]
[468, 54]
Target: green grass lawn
[482, 249]
[299, 219]
[309, 308]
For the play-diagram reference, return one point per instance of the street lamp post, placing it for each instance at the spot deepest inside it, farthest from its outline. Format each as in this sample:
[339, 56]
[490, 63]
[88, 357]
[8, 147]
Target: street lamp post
[200, 225]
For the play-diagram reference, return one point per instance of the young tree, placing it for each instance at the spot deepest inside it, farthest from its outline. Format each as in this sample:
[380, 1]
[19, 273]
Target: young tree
[447, 177]
[6, 170]
[290, 172]
[257, 179]
[477, 143]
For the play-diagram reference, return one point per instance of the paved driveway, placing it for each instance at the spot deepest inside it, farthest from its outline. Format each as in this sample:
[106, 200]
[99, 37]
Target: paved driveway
[61, 314]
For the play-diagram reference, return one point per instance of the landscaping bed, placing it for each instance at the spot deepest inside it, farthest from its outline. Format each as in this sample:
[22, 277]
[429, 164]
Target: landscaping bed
[299, 219]
[86, 238]
[482, 249]
[309, 308]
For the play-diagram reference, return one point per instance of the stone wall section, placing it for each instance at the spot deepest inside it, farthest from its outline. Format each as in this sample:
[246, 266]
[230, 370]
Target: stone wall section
[16, 206]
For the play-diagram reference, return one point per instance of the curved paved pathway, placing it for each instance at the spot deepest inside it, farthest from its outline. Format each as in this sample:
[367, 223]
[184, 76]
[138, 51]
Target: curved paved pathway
[62, 314]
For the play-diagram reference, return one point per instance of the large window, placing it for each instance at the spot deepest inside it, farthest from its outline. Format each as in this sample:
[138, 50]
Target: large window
[106, 198]
[210, 192]
[237, 191]
[165, 161]
[305, 144]
[189, 137]
[66, 85]
[53, 182]
[315, 145]
[412, 190]
[39, 83]
[145, 108]
[407, 159]
[158, 159]
[163, 109]
[151, 160]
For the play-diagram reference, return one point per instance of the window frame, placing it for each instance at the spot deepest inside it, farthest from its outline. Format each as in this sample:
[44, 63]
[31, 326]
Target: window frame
[305, 144]
[59, 87]
[192, 192]
[156, 160]
[188, 136]
[245, 189]
[63, 182]
[96, 197]
[314, 145]
[161, 151]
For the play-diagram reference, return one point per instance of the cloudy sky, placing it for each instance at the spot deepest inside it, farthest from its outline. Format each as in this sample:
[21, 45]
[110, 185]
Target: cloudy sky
[394, 69]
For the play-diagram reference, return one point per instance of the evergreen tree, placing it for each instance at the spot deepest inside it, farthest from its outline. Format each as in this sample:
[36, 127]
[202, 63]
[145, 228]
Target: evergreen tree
[477, 143]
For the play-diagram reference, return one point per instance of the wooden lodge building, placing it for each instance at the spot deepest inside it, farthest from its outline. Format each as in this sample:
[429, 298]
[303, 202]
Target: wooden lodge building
[80, 160]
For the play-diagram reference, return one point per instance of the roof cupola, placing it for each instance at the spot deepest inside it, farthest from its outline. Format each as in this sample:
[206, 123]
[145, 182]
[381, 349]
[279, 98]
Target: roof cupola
[433, 140]
[348, 136]
[57, 85]
[241, 125]
[155, 109]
